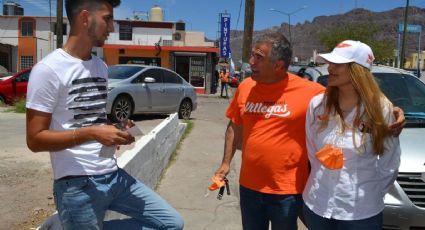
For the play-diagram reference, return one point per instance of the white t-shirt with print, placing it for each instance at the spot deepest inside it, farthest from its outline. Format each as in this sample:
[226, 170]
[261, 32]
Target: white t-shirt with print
[74, 92]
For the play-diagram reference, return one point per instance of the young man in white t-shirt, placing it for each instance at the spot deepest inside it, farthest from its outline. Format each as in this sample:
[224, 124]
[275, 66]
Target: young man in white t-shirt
[66, 115]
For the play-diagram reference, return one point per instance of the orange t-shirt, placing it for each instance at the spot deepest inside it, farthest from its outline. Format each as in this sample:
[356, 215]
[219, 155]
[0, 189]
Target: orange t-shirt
[274, 154]
[224, 77]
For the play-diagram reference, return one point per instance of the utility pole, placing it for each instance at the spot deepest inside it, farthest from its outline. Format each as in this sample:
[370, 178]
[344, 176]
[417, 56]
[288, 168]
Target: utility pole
[50, 26]
[59, 24]
[406, 10]
[248, 29]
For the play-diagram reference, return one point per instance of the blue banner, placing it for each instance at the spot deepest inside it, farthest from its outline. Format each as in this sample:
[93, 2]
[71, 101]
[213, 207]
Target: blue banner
[225, 36]
[410, 28]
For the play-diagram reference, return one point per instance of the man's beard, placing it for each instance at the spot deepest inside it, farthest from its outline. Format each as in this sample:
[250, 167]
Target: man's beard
[92, 34]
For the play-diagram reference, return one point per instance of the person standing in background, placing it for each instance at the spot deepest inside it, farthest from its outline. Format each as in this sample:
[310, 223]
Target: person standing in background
[224, 80]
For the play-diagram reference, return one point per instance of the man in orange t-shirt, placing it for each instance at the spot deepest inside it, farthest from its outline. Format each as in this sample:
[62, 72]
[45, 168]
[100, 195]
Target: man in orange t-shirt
[267, 114]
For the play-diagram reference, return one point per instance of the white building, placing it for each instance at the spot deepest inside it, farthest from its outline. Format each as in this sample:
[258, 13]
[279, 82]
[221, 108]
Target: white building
[25, 40]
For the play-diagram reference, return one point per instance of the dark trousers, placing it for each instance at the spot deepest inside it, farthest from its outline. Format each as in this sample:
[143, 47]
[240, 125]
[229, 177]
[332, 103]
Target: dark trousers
[224, 86]
[260, 209]
[316, 222]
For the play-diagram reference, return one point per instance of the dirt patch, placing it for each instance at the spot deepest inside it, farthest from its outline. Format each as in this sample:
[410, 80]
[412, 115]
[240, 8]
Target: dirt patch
[25, 190]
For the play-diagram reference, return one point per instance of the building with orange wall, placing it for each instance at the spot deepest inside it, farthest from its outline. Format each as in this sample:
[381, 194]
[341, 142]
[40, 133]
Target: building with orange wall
[24, 40]
[165, 44]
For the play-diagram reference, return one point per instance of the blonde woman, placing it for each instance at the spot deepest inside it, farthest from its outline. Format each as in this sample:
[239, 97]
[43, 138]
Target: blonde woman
[354, 158]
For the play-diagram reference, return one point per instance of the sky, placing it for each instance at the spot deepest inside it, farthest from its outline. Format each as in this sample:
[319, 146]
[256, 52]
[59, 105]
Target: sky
[203, 15]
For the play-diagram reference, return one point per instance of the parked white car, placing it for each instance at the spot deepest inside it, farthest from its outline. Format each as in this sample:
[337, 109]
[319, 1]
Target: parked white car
[405, 201]
[140, 89]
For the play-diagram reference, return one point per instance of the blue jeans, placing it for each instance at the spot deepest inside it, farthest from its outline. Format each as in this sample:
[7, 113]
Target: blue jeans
[224, 87]
[81, 203]
[316, 222]
[258, 209]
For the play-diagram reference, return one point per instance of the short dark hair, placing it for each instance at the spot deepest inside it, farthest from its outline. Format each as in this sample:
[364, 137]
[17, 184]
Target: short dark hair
[281, 48]
[74, 7]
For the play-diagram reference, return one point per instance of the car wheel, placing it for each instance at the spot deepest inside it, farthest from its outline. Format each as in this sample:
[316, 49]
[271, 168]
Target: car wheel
[121, 109]
[2, 100]
[185, 109]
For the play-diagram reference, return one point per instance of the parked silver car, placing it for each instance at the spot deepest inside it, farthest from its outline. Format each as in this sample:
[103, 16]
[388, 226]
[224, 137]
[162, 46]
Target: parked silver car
[137, 89]
[405, 201]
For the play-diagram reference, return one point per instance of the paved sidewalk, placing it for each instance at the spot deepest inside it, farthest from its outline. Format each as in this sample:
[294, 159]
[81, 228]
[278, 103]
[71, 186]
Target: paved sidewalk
[185, 183]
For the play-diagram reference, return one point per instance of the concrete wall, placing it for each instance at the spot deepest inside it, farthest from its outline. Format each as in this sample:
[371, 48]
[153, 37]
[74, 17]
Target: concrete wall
[146, 161]
[196, 39]
[9, 30]
[141, 36]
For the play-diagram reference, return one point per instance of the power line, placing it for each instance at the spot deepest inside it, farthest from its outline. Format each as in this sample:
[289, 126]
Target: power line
[239, 15]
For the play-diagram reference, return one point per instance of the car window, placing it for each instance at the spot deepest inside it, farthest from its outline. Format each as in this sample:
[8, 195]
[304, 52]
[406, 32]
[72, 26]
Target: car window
[301, 72]
[394, 87]
[403, 90]
[153, 73]
[323, 80]
[170, 77]
[23, 77]
[416, 88]
[123, 72]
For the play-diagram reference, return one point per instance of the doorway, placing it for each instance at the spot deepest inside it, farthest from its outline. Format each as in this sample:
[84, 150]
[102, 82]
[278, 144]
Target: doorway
[183, 66]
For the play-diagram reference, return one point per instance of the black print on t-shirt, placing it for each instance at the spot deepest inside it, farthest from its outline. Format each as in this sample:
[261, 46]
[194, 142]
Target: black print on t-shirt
[89, 123]
[90, 107]
[89, 101]
[90, 98]
[88, 89]
[88, 80]
[87, 115]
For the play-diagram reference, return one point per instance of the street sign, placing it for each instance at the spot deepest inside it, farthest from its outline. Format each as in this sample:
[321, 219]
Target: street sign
[410, 28]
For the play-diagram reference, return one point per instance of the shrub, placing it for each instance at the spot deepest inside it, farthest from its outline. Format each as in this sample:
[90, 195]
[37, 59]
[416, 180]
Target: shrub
[20, 106]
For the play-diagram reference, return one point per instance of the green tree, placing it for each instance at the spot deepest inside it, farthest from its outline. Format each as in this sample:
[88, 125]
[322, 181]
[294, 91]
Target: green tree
[364, 32]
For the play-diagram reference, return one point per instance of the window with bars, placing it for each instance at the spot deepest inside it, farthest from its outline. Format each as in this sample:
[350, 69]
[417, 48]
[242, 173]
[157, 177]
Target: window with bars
[27, 28]
[26, 62]
[126, 32]
[167, 42]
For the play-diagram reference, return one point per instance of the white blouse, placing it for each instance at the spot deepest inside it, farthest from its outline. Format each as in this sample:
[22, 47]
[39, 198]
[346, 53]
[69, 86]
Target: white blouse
[357, 190]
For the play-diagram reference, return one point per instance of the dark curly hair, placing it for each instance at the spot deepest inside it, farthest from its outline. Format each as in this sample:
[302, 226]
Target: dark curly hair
[73, 7]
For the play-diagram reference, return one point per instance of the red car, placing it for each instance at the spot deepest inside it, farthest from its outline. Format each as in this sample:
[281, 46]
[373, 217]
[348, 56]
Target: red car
[14, 87]
[234, 81]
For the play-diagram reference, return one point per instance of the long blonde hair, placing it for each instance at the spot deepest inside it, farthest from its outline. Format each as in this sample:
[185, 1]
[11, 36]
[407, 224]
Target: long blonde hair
[372, 99]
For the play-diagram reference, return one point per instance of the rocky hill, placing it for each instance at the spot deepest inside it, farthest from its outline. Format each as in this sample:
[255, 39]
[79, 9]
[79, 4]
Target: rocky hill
[305, 36]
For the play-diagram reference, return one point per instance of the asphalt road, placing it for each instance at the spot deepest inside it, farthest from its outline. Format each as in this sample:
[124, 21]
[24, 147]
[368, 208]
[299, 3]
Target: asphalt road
[12, 129]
